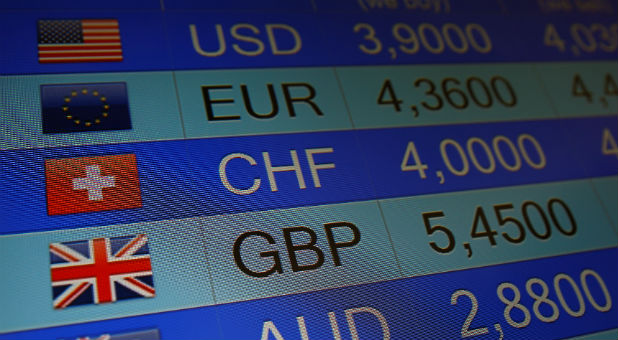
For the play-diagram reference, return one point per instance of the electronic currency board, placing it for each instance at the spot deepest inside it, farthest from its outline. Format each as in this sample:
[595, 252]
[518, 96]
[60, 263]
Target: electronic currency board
[310, 169]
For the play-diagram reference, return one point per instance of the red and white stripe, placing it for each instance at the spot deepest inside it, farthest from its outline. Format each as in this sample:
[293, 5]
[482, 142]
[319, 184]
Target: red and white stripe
[133, 246]
[66, 253]
[71, 293]
[137, 285]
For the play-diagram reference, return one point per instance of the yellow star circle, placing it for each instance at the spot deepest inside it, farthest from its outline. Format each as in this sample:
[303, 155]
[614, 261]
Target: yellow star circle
[84, 92]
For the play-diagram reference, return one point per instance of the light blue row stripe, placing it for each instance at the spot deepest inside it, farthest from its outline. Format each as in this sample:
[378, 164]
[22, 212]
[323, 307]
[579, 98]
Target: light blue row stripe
[257, 101]
[197, 257]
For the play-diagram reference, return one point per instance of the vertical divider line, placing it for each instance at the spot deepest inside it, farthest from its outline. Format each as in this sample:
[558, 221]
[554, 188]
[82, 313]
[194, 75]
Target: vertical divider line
[204, 234]
[390, 239]
[603, 206]
[171, 56]
[539, 79]
[375, 196]
[345, 101]
[182, 121]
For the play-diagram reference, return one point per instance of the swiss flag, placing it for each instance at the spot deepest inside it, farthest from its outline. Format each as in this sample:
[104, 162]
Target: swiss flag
[86, 184]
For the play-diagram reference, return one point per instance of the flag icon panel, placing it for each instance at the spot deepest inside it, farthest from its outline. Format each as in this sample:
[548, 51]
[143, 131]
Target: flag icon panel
[86, 40]
[89, 184]
[100, 270]
[84, 107]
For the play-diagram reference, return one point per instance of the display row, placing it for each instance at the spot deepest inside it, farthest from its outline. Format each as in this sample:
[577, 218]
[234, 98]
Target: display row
[444, 7]
[553, 298]
[88, 273]
[112, 41]
[70, 187]
[57, 110]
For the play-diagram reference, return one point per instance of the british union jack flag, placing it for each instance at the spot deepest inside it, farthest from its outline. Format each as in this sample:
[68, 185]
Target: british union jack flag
[100, 270]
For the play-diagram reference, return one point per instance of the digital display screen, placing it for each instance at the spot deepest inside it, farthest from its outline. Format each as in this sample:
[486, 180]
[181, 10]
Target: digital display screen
[310, 169]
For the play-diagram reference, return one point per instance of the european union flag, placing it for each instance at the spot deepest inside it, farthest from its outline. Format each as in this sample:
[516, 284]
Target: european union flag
[85, 107]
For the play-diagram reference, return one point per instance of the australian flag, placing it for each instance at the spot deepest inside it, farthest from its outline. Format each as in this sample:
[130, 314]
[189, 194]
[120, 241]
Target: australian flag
[100, 270]
[84, 107]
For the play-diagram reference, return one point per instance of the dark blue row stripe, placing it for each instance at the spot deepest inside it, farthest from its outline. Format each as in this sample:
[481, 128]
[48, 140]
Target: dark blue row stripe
[183, 178]
[411, 308]
[377, 7]
[179, 40]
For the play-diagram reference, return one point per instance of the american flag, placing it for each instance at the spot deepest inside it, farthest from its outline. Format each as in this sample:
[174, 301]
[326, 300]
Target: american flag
[71, 41]
[100, 270]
